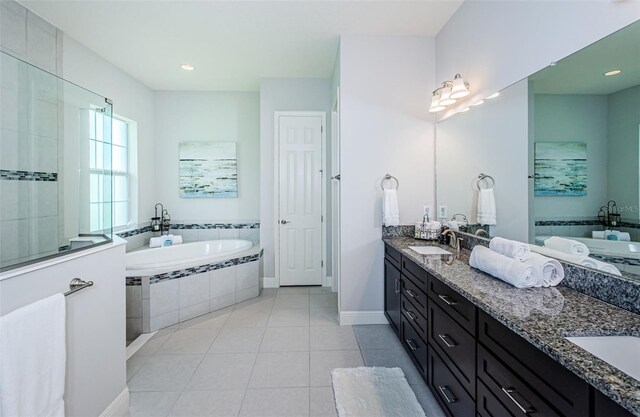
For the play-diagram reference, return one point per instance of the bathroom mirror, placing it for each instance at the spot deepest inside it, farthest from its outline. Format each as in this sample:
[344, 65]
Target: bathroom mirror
[55, 165]
[563, 147]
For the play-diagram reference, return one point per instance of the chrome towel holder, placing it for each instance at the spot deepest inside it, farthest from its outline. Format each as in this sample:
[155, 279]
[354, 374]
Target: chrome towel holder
[486, 178]
[76, 285]
[390, 178]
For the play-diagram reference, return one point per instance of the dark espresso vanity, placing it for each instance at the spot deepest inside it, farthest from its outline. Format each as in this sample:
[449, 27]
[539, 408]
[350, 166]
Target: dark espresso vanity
[477, 366]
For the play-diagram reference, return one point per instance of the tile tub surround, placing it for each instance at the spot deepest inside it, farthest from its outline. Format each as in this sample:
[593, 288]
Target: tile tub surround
[543, 317]
[155, 302]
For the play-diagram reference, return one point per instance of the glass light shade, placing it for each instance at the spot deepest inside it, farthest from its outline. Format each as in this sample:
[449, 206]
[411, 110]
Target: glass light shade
[459, 88]
[435, 103]
[445, 96]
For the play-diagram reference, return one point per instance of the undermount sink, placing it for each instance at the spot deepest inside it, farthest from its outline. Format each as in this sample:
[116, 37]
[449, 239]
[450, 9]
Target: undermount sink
[621, 352]
[429, 250]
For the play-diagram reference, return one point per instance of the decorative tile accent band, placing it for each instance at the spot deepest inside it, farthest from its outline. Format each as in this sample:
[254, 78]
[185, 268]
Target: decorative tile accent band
[137, 281]
[27, 175]
[629, 225]
[182, 226]
[192, 226]
[594, 222]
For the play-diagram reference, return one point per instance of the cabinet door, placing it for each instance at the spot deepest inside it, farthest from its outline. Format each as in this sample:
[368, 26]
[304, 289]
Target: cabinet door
[392, 294]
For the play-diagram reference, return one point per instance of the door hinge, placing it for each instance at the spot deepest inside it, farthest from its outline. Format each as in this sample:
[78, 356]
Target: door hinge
[321, 218]
[321, 264]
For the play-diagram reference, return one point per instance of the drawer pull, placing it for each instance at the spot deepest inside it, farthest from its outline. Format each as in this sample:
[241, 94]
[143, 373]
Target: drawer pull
[411, 344]
[449, 343]
[509, 392]
[412, 294]
[449, 397]
[412, 316]
[397, 286]
[448, 300]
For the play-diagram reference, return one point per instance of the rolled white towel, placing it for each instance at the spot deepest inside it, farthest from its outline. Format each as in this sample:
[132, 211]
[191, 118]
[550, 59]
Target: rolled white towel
[563, 256]
[624, 236]
[598, 234]
[176, 239]
[453, 225]
[606, 267]
[519, 274]
[157, 242]
[551, 270]
[569, 246]
[511, 248]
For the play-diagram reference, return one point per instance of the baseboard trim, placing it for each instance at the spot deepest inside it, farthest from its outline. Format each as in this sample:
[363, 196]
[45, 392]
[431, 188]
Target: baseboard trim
[138, 343]
[351, 318]
[269, 282]
[327, 282]
[119, 406]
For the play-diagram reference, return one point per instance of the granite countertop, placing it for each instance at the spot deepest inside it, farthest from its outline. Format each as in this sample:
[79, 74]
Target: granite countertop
[542, 316]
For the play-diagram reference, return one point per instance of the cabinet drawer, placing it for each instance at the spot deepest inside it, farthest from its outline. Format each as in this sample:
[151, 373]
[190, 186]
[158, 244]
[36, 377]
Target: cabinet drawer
[414, 344]
[392, 256]
[458, 348]
[415, 272]
[461, 309]
[447, 390]
[516, 395]
[489, 406]
[553, 382]
[415, 317]
[414, 294]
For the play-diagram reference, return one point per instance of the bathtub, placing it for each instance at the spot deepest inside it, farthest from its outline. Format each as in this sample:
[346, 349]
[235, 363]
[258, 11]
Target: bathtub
[153, 261]
[169, 285]
[603, 247]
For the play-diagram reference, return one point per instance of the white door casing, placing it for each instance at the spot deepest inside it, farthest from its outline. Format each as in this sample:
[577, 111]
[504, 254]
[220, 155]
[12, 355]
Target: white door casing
[299, 211]
[335, 193]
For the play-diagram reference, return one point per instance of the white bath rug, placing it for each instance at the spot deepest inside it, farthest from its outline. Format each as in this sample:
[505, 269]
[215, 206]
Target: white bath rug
[374, 392]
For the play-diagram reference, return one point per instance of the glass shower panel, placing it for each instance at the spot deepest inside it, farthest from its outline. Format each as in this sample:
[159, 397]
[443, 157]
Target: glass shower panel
[54, 136]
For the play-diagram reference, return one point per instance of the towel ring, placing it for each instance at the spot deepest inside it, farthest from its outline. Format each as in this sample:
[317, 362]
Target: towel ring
[486, 178]
[390, 178]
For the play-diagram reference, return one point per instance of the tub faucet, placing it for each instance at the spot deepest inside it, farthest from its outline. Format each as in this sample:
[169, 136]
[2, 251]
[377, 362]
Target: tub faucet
[454, 241]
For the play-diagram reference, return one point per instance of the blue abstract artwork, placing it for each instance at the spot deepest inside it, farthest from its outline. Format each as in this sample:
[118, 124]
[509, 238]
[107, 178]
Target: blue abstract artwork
[208, 170]
[560, 169]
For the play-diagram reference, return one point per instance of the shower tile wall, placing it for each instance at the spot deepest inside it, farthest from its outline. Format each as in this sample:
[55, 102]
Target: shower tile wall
[30, 125]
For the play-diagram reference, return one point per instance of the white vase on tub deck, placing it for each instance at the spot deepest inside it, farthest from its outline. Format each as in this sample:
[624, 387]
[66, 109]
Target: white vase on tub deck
[182, 256]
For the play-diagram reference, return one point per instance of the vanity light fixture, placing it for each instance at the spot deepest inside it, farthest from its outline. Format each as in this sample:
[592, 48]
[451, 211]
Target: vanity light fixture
[448, 93]
[612, 72]
[187, 67]
[494, 95]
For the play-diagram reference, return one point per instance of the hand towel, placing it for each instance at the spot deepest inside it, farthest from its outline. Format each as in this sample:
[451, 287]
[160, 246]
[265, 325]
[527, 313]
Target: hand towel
[486, 207]
[511, 248]
[551, 270]
[519, 274]
[33, 356]
[390, 211]
[606, 267]
[569, 246]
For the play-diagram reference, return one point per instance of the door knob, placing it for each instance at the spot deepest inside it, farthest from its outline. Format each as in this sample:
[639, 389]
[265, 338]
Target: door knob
[284, 222]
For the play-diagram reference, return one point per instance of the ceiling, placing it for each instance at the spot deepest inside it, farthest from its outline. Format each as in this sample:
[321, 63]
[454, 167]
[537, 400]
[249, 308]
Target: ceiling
[232, 44]
[582, 72]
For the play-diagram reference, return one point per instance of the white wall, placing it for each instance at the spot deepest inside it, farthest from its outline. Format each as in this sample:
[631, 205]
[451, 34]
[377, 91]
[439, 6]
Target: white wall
[207, 117]
[574, 118]
[490, 139]
[493, 44]
[285, 94]
[131, 99]
[385, 83]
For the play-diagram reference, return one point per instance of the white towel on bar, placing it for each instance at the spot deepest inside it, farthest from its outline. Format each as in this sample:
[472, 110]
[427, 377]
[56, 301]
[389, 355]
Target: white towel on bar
[511, 248]
[33, 355]
[551, 270]
[486, 207]
[390, 211]
[569, 246]
[519, 274]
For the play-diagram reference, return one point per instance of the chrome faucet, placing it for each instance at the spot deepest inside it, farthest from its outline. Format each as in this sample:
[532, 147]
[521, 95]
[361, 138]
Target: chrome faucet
[454, 241]
[481, 232]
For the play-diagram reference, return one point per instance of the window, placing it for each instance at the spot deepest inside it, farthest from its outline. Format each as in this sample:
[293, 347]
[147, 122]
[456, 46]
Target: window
[106, 186]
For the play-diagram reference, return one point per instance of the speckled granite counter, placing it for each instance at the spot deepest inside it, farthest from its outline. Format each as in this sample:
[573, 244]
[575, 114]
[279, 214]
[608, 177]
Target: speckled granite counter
[542, 316]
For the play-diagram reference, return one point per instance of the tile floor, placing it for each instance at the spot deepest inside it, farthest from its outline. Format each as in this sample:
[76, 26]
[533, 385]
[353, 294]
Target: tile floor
[269, 356]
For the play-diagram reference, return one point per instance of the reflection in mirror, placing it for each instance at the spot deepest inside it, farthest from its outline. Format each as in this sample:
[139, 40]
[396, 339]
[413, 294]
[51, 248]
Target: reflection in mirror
[564, 149]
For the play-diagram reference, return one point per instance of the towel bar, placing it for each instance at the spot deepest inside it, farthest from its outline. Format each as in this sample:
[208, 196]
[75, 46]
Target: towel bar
[485, 177]
[389, 177]
[76, 285]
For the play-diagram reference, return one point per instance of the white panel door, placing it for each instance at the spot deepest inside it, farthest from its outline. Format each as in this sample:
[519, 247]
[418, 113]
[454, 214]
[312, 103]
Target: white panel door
[300, 200]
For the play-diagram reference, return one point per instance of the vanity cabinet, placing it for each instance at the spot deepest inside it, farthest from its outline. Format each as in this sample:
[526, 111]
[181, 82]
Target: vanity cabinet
[473, 364]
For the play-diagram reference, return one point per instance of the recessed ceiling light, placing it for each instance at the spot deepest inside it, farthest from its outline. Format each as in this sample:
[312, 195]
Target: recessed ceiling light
[187, 67]
[612, 72]
[494, 95]
[478, 103]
